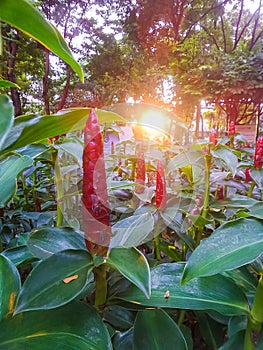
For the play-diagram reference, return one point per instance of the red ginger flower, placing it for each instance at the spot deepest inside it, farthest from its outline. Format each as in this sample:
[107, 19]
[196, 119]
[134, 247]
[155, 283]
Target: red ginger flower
[213, 137]
[161, 197]
[95, 210]
[258, 157]
[232, 129]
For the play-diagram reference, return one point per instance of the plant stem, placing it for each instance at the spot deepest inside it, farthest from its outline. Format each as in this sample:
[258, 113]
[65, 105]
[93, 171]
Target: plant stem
[59, 188]
[255, 319]
[101, 285]
[204, 212]
[157, 247]
[251, 188]
[181, 315]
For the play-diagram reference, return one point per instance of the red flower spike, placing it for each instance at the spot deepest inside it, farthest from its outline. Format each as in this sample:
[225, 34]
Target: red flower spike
[247, 174]
[232, 129]
[213, 137]
[258, 157]
[161, 197]
[95, 210]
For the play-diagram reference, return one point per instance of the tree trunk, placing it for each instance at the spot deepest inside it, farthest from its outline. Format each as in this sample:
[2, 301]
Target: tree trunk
[12, 50]
[65, 91]
[45, 84]
[198, 118]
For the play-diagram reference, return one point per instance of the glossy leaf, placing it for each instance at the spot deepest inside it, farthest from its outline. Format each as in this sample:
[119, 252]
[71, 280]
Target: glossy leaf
[50, 240]
[216, 293]
[75, 326]
[132, 264]
[119, 317]
[132, 231]
[9, 286]
[19, 255]
[37, 27]
[227, 157]
[186, 158]
[257, 210]
[211, 331]
[155, 330]
[230, 246]
[55, 281]
[235, 202]
[31, 128]
[9, 169]
[7, 117]
[257, 176]
[124, 340]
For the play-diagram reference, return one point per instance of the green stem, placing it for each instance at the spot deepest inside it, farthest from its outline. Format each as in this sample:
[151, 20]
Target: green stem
[204, 212]
[181, 317]
[59, 188]
[100, 277]
[251, 188]
[157, 247]
[24, 189]
[255, 319]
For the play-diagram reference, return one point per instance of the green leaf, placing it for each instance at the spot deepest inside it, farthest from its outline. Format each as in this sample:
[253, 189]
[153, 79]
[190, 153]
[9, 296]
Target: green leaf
[37, 27]
[257, 176]
[257, 210]
[235, 202]
[19, 255]
[72, 147]
[7, 117]
[123, 341]
[9, 286]
[9, 169]
[155, 330]
[232, 245]
[55, 281]
[75, 326]
[7, 84]
[119, 317]
[216, 293]
[50, 240]
[132, 231]
[186, 158]
[227, 157]
[132, 264]
[31, 128]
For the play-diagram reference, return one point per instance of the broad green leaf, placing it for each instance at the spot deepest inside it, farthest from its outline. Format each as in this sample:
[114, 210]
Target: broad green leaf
[232, 245]
[235, 342]
[119, 317]
[9, 169]
[132, 231]
[72, 147]
[55, 281]
[123, 341]
[211, 331]
[9, 287]
[186, 158]
[28, 129]
[6, 117]
[236, 202]
[75, 326]
[34, 150]
[216, 293]
[257, 210]
[227, 157]
[19, 255]
[46, 241]
[155, 330]
[132, 264]
[7, 84]
[25, 17]
[257, 176]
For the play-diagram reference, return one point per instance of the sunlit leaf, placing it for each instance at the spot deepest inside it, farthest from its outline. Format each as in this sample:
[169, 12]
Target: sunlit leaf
[232, 245]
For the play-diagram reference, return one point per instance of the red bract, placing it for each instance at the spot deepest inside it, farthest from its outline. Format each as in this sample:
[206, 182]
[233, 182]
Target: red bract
[96, 223]
[213, 137]
[161, 197]
[140, 174]
[232, 129]
[220, 192]
[258, 157]
[247, 173]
